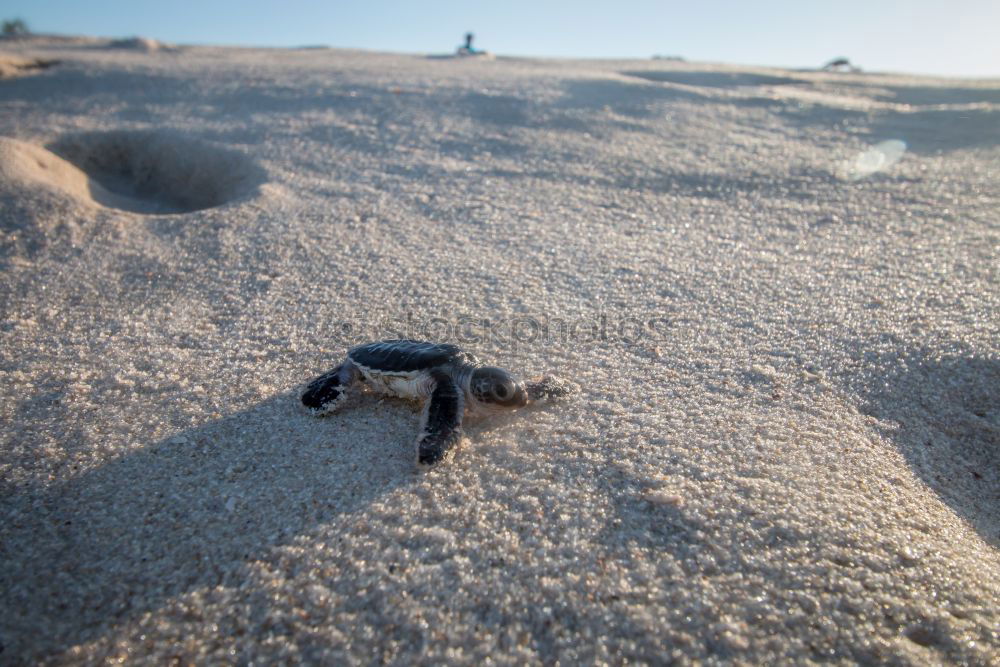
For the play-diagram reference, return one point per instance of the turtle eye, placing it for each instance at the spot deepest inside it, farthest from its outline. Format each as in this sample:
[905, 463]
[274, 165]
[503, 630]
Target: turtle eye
[505, 392]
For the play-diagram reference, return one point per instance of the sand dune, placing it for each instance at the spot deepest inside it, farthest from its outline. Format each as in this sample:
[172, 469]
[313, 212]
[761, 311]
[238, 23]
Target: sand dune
[777, 290]
[144, 44]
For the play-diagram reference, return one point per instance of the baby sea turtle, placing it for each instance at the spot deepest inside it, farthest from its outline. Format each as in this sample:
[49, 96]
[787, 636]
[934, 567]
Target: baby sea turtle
[449, 380]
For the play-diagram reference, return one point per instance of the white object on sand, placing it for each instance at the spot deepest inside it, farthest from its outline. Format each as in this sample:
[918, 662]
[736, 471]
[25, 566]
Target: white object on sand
[878, 158]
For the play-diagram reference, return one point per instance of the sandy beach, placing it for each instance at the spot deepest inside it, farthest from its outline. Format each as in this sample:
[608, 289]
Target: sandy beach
[777, 292]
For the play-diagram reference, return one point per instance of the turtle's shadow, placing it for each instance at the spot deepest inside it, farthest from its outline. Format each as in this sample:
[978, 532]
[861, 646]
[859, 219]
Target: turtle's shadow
[363, 402]
[83, 554]
[948, 415]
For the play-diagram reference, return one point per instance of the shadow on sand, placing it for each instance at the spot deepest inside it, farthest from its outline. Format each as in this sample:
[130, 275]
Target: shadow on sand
[716, 79]
[81, 555]
[948, 410]
[927, 130]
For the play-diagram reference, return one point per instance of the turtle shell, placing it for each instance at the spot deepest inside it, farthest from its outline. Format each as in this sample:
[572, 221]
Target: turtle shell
[406, 356]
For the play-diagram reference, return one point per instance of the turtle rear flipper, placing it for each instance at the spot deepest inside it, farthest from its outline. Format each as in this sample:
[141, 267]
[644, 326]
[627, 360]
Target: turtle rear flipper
[441, 422]
[326, 392]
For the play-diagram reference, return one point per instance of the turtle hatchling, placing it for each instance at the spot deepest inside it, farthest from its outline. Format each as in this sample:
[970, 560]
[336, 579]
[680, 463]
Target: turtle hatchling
[450, 381]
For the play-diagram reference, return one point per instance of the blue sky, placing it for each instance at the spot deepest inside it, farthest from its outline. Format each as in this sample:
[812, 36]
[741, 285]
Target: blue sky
[960, 37]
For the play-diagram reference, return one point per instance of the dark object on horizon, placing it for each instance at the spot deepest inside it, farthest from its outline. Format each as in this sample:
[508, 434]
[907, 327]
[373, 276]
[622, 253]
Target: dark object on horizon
[468, 41]
[14, 28]
[839, 65]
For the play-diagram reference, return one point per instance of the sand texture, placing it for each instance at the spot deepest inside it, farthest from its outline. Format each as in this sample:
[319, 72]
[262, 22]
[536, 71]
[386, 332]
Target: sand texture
[784, 327]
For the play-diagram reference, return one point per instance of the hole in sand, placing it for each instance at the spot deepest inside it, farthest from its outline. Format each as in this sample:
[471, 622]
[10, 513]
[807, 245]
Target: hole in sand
[158, 172]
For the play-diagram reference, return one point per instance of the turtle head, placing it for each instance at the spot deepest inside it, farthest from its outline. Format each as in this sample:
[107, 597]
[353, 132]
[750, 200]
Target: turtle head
[496, 388]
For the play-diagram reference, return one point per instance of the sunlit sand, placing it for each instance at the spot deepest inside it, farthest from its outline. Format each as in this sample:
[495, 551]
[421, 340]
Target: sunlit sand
[776, 291]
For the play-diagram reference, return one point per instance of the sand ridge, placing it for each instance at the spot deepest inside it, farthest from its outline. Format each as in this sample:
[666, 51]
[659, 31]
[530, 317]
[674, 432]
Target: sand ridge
[784, 447]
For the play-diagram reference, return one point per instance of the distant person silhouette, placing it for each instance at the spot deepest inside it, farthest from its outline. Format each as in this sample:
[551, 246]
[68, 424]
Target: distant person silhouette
[468, 49]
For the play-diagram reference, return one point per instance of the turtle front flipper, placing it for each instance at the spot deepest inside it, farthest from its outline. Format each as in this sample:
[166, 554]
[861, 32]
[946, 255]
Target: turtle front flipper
[441, 423]
[326, 392]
